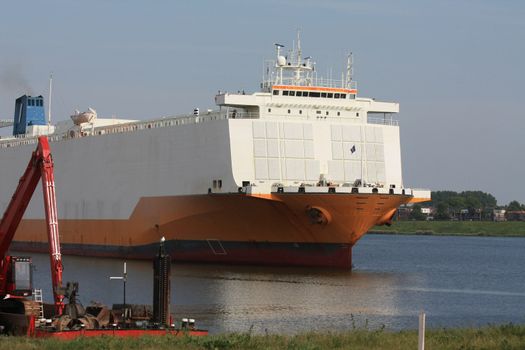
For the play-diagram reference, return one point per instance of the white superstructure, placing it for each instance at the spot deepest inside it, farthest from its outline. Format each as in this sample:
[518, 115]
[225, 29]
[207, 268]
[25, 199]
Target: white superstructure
[299, 131]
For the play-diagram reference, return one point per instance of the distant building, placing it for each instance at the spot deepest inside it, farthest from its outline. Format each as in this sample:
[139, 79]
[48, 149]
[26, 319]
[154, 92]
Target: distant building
[403, 213]
[499, 215]
[515, 215]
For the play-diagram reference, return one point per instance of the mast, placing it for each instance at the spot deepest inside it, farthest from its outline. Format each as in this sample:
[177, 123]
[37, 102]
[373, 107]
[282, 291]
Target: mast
[298, 58]
[50, 94]
[280, 63]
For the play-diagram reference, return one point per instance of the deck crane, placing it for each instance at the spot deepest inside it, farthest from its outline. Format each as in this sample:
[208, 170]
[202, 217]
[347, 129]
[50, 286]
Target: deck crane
[15, 272]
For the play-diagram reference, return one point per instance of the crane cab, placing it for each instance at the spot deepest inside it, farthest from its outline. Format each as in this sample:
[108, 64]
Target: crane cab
[18, 274]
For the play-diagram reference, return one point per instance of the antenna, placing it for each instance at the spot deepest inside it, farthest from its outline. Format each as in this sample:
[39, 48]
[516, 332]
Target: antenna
[349, 70]
[124, 279]
[278, 48]
[299, 52]
[49, 103]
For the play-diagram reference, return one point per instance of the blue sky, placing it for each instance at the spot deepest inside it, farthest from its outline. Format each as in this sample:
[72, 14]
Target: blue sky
[456, 68]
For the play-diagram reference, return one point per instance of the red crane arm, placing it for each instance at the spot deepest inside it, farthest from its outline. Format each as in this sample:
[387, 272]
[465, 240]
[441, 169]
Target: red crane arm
[19, 202]
[50, 204]
[40, 166]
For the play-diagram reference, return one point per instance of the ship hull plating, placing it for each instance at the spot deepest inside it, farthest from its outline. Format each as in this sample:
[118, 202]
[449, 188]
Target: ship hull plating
[256, 253]
[277, 229]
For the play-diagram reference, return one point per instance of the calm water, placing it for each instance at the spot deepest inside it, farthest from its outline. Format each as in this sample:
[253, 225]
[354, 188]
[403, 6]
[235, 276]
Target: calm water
[458, 281]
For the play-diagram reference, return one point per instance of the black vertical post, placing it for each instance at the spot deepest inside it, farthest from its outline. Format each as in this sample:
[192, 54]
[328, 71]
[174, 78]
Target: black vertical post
[125, 279]
[161, 287]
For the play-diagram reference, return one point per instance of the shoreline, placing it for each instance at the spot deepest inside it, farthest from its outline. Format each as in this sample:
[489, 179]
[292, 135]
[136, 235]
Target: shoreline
[443, 234]
[453, 228]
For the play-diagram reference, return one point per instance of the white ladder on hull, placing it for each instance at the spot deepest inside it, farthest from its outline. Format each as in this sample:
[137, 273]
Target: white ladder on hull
[37, 296]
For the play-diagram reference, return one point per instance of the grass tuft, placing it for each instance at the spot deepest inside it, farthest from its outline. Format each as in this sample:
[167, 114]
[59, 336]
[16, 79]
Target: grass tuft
[507, 336]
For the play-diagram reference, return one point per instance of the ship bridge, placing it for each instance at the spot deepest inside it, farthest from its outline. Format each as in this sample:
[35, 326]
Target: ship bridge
[291, 88]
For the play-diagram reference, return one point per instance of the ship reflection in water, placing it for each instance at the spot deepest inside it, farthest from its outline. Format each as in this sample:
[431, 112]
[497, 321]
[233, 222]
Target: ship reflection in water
[458, 281]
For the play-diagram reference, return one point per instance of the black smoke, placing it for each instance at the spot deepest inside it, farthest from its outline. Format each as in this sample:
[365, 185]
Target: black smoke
[14, 81]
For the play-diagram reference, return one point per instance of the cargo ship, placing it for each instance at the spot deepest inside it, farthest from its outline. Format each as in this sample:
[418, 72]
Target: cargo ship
[294, 174]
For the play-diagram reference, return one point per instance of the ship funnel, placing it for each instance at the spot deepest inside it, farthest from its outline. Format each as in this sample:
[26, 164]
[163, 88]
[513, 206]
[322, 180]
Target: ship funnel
[28, 111]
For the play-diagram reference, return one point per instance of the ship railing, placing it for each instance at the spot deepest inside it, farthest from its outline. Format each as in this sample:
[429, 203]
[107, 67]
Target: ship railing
[10, 141]
[383, 121]
[21, 140]
[318, 82]
[5, 123]
[381, 190]
[334, 83]
[171, 121]
[189, 119]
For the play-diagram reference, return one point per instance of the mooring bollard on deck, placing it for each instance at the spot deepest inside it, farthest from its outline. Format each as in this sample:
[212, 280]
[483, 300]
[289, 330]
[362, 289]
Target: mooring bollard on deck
[421, 332]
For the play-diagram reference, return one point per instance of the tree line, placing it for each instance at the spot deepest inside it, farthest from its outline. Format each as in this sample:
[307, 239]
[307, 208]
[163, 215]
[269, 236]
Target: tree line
[463, 205]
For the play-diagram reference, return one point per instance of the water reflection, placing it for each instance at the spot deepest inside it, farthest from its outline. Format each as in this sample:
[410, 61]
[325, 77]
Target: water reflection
[273, 298]
[231, 298]
[395, 277]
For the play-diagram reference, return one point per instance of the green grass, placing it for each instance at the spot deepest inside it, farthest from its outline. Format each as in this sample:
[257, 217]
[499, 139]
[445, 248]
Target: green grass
[464, 228]
[492, 337]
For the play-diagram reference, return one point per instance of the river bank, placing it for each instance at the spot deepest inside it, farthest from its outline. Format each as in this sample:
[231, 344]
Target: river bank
[492, 337]
[461, 228]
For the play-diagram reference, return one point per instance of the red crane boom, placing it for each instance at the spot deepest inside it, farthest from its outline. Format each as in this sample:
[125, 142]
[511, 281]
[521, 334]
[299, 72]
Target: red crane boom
[40, 167]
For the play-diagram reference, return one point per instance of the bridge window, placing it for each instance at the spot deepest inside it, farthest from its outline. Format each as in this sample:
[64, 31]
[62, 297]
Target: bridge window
[285, 92]
[276, 92]
[343, 95]
[336, 95]
[330, 95]
[315, 94]
[323, 94]
[292, 93]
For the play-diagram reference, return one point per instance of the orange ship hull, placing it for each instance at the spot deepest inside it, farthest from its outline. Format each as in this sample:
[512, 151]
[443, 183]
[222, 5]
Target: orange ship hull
[276, 229]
